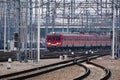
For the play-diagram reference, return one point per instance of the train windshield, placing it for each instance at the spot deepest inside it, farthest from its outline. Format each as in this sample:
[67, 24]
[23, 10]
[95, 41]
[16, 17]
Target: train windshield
[49, 39]
[57, 38]
[53, 38]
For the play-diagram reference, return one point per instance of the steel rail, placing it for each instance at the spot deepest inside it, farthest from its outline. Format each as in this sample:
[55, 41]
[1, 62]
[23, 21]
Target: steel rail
[37, 71]
[38, 68]
[87, 72]
[90, 57]
[107, 71]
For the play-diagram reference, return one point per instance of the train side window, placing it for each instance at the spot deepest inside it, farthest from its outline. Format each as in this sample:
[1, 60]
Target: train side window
[68, 38]
[76, 38]
[72, 38]
[103, 39]
[94, 39]
[79, 38]
[64, 38]
[86, 38]
[82, 38]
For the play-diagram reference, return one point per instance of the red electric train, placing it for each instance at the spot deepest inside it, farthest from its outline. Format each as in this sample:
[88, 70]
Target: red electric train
[77, 40]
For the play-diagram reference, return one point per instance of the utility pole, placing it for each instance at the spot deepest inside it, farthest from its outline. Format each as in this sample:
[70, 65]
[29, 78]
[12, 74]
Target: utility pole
[113, 34]
[68, 19]
[31, 51]
[38, 32]
[26, 55]
[63, 15]
[47, 16]
[18, 26]
[119, 32]
[5, 29]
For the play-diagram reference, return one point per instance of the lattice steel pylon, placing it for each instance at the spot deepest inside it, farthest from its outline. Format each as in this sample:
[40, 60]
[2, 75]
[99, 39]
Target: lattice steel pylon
[75, 11]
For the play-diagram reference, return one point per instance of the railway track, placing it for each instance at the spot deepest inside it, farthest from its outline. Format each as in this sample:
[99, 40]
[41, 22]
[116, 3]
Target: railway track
[87, 76]
[86, 73]
[49, 68]
[106, 70]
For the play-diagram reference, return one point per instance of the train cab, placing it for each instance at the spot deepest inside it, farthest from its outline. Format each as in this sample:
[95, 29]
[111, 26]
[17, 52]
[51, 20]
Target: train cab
[53, 40]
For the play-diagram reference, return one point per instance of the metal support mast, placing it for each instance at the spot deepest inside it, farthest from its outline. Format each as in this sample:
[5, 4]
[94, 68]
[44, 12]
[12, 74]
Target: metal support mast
[26, 32]
[113, 29]
[18, 26]
[38, 47]
[31, 56]
[63, 15]
[5, 28]
[47, 16]
[119, 29]
[53, 15]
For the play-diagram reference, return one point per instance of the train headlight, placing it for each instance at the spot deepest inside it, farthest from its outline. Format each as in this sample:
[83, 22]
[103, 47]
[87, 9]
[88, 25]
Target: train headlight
[58, 43]
[49, 43]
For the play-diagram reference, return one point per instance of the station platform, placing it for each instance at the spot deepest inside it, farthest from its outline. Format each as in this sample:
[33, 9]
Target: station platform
[17, 66]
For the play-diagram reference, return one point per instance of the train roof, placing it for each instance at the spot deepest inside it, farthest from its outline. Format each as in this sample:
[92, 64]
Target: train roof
[76, 34]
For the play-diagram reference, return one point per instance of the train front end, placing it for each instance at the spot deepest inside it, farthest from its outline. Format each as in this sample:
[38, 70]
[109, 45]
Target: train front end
[53, 41]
